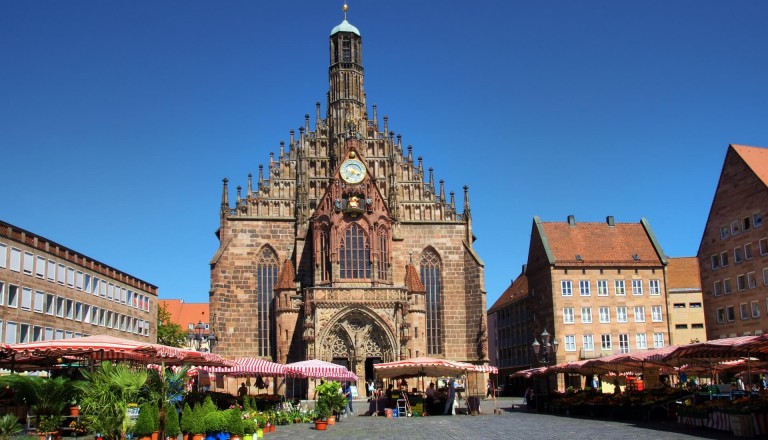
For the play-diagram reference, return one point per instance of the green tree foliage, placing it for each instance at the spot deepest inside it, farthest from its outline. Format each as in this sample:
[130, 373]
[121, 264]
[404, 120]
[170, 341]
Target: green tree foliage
[9, 426]
[198, 423]
[172, 429]
[169, 333]
[235, 422]
[144, 425]
[46, 397]
[186, 419]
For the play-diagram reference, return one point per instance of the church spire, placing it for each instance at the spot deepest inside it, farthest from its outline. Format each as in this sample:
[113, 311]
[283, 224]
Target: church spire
[225, 199]
[346, 95]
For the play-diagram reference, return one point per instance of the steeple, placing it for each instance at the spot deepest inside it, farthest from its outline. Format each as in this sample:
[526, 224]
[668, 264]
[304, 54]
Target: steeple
[225, 199]
[346, 99]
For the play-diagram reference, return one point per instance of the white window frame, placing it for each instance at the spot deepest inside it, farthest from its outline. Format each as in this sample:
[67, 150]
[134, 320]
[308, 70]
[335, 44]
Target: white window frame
[755, 306]
[605, 315]
[606, 342]
[585, 288]
[724, 259]
[623, 343]
[715, 262]
[13, 301]
[586, 315]
[588, 342]
[741, 282]
[751, 280]
[658, 340]
[637, 287]
[738, 255]
[748, 252]
[11, 332]
[61, 303]
[568, 317]
[39, 301]
[40, 267]
[26, 298]
[720, 315]
[639, 313]
[70, 308]
[620, 287]
[621, 314]
[763, 246]
[657, 314]
[566, 287]
[570, 343]
[50, 271]
[3, 256]
[744, 311]
[79, 280]
[28, 266]
[61, 273]
[727, 287]
[50, 304]
[602, 288]
[15, 265]
[71, 277]
[654, 287]
[2, 295]
[641, 341]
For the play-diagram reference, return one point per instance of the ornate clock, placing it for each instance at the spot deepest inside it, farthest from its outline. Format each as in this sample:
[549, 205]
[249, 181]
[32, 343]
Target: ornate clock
[352, 171]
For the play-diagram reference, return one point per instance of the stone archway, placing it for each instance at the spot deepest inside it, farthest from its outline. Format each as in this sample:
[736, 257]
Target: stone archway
[357, 335]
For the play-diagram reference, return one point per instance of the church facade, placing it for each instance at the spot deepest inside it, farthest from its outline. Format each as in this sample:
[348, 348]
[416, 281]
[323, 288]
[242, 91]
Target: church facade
[345, 248]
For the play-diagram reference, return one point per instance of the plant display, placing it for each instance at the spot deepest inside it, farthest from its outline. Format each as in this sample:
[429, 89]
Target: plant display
[249, 426]
[186, 419]
[215, 421]
[322, 410]
[235, 422]
[9, 426]
[172, 428]
[45, 396]
[49, 423]
[144, 425]
[105, 396]
[197, 424]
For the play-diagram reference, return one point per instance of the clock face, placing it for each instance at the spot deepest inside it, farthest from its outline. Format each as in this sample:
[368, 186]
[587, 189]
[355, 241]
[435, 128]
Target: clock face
[352, 171]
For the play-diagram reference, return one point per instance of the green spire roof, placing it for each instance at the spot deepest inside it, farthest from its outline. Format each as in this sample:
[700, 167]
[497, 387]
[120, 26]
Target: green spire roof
[344, 26]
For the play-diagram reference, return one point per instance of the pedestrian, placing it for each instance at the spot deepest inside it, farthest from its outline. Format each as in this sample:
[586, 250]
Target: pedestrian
[449, 409]
[370, 388]
[348, 395]
[489, 392]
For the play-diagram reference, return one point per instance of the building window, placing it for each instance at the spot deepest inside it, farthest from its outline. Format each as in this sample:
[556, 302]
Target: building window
[763, 246]
[13, 296]
[718, 288]
[751, 280]
[15, 261]
[87, 313]
[757, 220]
[620, 287]
[11, 331]
[588, 342]
[586, 315]
[724, 232]
[50, 301]
[735, 228]
[746, 223]
[621, 314]
[266, 277]
[730, 313]
[430, 269]
[29, 263]
[748, 254]
[566, 287]
[623, 343]
[715, 262]
[79, 280]
[639, 313]
[741, 282]
[727, 288]
[738, 255]
[584, 288]
[51, 272]
[325, 255]
[570, 342]
[605, 342]
[637, 287]
[2, 294]
[37, 333]
[656, 314]
[720, 315]
[605, 315]
[681, 326]
[696, 305]
[39, 301]
[755, 306]
[723, 259]
[658, 340]
[26, 298]
[602, 287]
[568, 315]
[40, 267]
[642, 341]
[655, 287]
[383, 263]
[697, 325]
[355, 260]
[744, 311]
[61, 274]
[3, 258]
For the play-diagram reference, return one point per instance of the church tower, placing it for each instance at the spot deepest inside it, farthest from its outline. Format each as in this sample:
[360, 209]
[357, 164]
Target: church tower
[345, 248]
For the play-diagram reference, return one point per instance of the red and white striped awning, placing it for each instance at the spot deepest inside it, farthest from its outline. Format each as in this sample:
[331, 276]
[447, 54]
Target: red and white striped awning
[317, 369]
[423, 366]
[245, 367]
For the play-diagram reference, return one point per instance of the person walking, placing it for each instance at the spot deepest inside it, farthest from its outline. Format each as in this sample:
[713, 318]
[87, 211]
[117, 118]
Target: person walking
[451, 396]
[489, 392]
[348, 395]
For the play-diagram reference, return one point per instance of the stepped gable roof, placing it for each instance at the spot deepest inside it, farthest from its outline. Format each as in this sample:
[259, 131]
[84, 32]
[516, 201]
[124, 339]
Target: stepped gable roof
[515, 292]
[412, 281]
[184, 313]
[601, 244]
[286, 278]
[756, 158]
[683, 273]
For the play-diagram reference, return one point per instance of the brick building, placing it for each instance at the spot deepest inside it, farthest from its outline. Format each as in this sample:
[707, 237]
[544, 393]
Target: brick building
[598, 288]
[348, 250]
[49, 291]
[509, 331]
[685, 302]
[189, 315]
[733, 254]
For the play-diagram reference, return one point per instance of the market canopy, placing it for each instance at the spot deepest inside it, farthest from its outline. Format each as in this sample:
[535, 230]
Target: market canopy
[422, 366]
[247, 367]
[317, 369]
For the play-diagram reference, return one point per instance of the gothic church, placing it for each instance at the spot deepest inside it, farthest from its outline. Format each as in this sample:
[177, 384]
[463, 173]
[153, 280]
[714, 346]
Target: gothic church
[347, 250]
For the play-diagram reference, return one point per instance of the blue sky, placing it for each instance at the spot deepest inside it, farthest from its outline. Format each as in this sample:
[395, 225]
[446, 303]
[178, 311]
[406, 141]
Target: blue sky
[118, 120]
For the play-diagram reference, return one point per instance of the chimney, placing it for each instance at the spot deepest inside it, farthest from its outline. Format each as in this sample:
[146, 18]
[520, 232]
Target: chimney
[571, 220]
[610, 221]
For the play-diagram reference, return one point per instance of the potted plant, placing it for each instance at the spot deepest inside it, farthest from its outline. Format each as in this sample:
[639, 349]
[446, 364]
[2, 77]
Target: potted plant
[186, 421]
[48, 426]
[197, 424]
[144, 426]
[172, 428]
[215, 424]
[322, 412]
[9, 426]
[235, 424]
[249, 428]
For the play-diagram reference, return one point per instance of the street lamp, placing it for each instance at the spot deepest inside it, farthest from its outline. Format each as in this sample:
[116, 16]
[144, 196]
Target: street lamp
[545, 352]
[197, 338]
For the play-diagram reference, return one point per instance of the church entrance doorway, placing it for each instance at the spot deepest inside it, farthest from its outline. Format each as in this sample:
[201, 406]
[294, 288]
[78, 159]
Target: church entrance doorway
[369, 363]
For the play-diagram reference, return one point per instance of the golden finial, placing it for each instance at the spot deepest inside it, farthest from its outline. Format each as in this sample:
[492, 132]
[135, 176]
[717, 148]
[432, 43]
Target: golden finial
[345, 8]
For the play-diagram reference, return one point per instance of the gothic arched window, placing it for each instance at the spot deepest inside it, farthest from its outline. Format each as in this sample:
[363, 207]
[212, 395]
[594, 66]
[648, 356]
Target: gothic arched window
[430, 277]
[354, 257]
[325, 255]
[383, 262]
[266, 277]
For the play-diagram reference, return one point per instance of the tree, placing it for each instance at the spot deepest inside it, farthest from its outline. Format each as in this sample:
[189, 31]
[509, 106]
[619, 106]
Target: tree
[169, 333]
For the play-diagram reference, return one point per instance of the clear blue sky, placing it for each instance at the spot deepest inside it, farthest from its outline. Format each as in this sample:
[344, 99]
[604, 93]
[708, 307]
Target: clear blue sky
[118, 120]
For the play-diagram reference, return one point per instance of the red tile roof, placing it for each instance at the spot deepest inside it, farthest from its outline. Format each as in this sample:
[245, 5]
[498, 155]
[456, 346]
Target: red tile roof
[412, 281]
[756, 158]
[286, 278]
[184, 313]
[683, 273]
[600, 243]
[515, 292]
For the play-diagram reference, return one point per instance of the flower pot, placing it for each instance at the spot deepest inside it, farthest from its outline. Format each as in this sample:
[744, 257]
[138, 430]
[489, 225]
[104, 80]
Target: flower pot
[321, 425]
[247, 436]
[271, 428]
[156, 435]
[331, 420]
[74, 411]
[259, 433]
[235, 437]
[198, 436]
[210, 436]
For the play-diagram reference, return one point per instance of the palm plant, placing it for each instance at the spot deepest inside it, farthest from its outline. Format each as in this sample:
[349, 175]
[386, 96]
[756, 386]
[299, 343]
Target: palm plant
[45, 396]
[166, 388]
[9, 426]
[106, 395]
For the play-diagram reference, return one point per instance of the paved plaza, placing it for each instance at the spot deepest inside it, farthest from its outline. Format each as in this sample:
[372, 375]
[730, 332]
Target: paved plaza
[512, 423]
